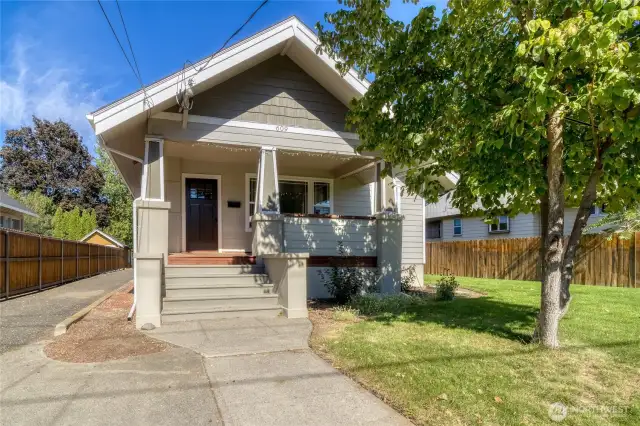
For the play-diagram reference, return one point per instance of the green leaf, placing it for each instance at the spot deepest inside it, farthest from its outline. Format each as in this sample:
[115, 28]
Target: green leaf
[520, 129]
[597, 5]
[625, 4]
[620, 103]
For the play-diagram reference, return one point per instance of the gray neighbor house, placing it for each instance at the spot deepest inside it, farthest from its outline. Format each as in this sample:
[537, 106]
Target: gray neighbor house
[246, 181]
[445, 223]
[12, 212]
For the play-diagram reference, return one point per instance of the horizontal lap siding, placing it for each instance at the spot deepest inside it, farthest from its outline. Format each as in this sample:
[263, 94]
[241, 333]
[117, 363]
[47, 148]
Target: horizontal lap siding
[351, 198]
[321, 236]
[275, 91]
[412, 229]
[521, 226]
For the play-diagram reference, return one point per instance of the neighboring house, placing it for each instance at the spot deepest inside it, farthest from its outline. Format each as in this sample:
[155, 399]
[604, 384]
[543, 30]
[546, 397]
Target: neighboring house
[101, 238]
[12, 212]
[257, 169]
[445, 223]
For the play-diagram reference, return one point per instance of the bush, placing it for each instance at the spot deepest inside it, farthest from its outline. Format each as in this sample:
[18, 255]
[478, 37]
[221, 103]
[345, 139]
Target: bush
[409, 276]
[344, 282]
[446, 287]
[376, 304]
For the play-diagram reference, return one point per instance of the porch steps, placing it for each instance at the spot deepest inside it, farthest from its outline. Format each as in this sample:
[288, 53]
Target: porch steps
[217, 291]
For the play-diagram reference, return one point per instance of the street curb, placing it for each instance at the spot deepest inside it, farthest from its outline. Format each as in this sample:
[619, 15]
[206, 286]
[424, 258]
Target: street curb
[63, 326]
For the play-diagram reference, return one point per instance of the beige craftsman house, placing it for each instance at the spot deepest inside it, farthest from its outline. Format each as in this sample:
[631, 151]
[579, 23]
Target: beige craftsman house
[246, 180]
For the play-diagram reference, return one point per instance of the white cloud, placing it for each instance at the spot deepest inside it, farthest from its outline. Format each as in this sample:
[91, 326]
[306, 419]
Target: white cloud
[33, 83]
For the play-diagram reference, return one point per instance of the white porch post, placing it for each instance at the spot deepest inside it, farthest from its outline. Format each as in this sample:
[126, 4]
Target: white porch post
[267, 223]
[388, 191]
[152, 244]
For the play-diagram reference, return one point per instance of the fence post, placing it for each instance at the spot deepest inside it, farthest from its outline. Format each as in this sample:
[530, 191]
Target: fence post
[61, 261]
[6, 264]
[40, 263]
[77, 262]
[89, 259]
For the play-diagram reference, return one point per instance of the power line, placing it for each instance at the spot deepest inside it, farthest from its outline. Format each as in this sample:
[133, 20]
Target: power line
[133, 55]
[180, 84]
[120, 44]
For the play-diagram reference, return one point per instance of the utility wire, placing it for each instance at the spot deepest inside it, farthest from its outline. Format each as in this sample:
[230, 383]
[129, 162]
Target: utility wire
[188, 64]
[120, 44]
[133, 55]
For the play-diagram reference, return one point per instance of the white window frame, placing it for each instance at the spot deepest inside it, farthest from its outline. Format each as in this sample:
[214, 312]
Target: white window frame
[454, 227]
[145, 169]
[500, 231]
[310, 193]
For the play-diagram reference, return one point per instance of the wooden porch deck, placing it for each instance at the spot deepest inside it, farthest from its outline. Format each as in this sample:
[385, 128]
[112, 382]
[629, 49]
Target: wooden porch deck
[211, 258]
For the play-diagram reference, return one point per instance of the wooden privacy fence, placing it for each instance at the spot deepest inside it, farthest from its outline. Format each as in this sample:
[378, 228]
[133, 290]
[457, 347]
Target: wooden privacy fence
[31, 262]
[599, 261]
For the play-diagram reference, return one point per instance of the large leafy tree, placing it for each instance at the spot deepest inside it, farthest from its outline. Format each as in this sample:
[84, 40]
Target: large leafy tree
[42, 205]
[119, 200]
[49, 157]
[73, 224]
[534, 103]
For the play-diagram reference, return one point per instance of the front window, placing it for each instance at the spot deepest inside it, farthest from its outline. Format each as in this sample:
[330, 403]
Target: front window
[297, 196]
[500, 224]
[457, 227]
[434, 229]
[293, 196]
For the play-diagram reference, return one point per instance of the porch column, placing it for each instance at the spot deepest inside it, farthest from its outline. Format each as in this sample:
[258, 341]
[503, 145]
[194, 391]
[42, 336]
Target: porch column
[387, 195]
[267, 222]
[389, 250]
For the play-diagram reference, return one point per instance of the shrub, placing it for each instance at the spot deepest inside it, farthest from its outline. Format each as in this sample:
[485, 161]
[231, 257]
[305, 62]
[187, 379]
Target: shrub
[344, 282]
[409, 276]
[376, 304]
[446, 287]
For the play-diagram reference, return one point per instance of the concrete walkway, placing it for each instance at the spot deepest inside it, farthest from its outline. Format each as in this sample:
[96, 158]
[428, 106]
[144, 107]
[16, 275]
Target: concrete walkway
[229, 372]
[27, 319]
[262, 372]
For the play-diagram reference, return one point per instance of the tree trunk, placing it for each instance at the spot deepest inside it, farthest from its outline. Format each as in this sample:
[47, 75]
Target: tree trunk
[584, 211]
[550, 310]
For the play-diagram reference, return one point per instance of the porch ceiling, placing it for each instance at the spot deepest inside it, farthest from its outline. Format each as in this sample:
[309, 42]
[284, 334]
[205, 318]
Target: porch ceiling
[298, 163]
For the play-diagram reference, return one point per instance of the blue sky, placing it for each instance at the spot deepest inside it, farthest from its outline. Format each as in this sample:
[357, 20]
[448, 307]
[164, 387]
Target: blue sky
[60, 60]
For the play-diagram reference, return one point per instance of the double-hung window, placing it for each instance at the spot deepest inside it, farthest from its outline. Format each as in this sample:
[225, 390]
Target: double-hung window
[457, 227]
[500, 224]
[298, 195]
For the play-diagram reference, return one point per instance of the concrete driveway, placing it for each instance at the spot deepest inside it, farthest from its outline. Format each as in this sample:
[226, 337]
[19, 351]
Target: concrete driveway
[241, 372]
[27, 319]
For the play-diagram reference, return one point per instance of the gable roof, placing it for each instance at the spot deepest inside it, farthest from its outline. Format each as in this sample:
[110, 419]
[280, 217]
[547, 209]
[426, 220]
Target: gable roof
[11, 204]
[108, 237]
[290, 37]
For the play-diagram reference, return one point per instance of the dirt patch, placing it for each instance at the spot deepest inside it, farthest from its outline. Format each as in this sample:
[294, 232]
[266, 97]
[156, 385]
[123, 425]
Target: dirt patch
[324, 325]
[460, 292]
[104, 334]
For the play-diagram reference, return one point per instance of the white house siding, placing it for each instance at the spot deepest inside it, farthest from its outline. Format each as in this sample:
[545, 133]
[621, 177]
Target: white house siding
[352, 197]
[412, 208]
[521, 226]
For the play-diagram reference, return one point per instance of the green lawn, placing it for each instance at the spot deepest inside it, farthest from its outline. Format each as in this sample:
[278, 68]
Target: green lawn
[468, 361]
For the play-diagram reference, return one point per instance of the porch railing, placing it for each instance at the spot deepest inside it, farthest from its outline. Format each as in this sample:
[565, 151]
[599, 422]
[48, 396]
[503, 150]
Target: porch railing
[320, 235]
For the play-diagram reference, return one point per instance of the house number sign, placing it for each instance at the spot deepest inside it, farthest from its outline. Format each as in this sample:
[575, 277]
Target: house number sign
[281, 128]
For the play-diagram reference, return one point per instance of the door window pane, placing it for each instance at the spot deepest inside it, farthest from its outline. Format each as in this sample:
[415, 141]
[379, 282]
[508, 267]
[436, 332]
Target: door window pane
[293, 196]
[321, 202]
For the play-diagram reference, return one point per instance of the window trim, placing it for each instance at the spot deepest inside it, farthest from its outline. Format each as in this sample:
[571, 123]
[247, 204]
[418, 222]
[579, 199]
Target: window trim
[500, 231]
[454, 227]
[310, 193]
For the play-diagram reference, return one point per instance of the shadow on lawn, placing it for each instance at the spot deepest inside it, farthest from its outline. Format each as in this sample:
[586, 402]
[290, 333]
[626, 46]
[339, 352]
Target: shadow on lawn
[484, 314]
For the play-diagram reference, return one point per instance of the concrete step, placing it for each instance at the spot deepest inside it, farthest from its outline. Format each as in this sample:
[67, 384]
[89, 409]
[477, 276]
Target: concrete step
[175, 315]
[178, 271]
[198, 289]
[191, 303]
[205, 278]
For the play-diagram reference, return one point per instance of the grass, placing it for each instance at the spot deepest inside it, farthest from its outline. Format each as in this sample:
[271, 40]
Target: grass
[469, 361]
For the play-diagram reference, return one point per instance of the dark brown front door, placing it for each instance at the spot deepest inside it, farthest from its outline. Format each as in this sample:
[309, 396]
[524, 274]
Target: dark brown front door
[202, 214]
